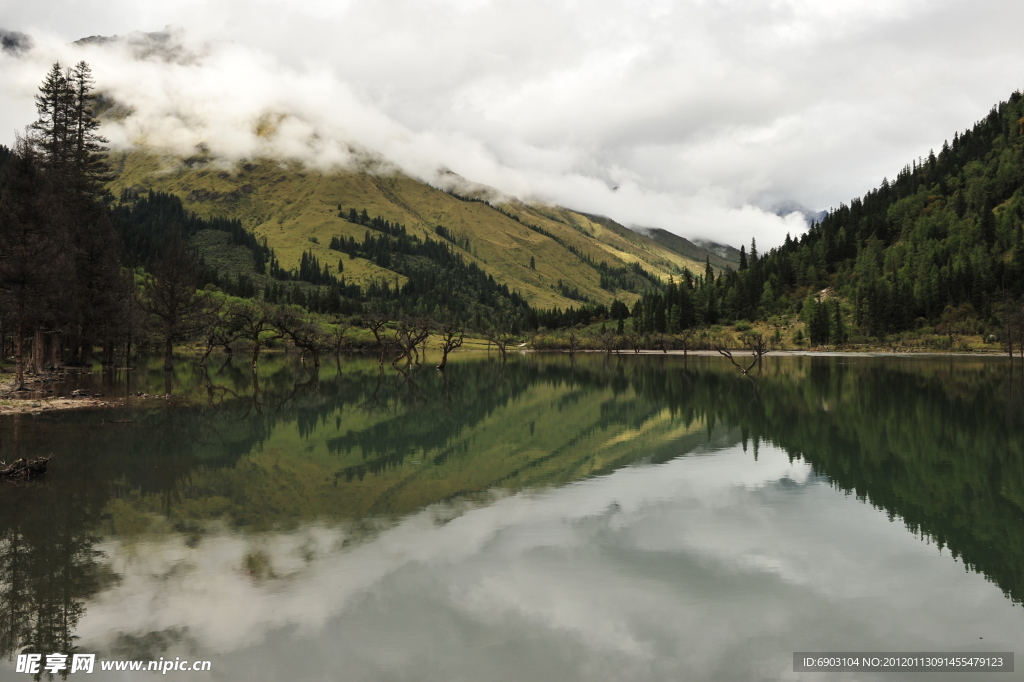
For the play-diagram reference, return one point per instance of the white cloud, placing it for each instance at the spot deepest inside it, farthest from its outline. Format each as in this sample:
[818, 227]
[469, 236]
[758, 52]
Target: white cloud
[705, 567]
[706, 116]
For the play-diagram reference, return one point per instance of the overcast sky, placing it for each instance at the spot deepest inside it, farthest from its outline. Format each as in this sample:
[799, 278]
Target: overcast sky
[708, 117]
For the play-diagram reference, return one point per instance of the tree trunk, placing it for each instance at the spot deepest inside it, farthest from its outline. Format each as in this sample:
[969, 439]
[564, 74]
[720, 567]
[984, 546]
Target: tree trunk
[19, 352]
[38, 341]
[206, 355]
[86, 351]
[56, 345]
[168, 349]
[108, 353]
[255, 354]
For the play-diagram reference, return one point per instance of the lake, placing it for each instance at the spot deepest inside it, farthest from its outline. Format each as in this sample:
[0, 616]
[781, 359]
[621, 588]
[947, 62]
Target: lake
[604, 518]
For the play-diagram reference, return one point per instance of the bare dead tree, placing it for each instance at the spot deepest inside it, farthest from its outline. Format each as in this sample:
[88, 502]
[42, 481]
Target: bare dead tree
[685, 338]
[608, 341]
[294, 323]
[633, 340]
[337, 335]
[452, 334]
[222, 330]
[501, 339]
[255, 321]
[409, 335]
[574, 340]
[758, 347]
[728, 354]
[425, 327]
[377, 324]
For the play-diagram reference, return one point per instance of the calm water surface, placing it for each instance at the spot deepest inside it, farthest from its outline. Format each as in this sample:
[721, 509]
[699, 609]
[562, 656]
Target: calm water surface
[633, 518]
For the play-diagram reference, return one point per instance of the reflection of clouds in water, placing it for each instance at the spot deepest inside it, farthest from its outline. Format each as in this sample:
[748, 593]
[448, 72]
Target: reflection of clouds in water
[713, 566]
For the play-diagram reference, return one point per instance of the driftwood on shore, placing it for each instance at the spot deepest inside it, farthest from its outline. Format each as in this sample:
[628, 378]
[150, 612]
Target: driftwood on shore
[23, 469]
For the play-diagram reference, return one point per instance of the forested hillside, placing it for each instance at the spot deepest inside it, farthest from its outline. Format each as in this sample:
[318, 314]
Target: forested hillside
[940, 246]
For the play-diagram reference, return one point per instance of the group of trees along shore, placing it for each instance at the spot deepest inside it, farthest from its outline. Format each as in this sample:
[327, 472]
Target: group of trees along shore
[61, 285]
[83, 272]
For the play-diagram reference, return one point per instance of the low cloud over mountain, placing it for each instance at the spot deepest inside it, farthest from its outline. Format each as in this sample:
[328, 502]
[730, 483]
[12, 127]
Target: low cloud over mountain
[706, 118]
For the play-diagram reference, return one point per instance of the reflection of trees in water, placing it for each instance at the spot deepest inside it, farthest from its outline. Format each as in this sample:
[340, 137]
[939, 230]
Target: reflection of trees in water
[48, 566]
[48, 528]
[938, 443]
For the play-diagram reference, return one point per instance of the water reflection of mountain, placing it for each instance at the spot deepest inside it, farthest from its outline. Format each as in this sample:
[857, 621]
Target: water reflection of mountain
[939, 443]
[935, 442]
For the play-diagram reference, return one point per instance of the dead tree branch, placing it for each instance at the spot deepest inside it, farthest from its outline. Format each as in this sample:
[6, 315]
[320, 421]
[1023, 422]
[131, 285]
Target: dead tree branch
[452, 335]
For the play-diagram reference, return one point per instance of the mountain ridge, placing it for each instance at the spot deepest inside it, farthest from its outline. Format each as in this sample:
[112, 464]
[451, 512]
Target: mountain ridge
[553, 256]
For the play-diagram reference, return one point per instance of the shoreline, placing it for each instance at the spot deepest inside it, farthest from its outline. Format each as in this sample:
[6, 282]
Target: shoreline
[35, 402]
[795, 353]
[39, 405]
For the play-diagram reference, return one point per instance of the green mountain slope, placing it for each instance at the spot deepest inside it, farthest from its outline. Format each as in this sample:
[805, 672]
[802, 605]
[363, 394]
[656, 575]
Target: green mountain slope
[940, 248]
[299, 210]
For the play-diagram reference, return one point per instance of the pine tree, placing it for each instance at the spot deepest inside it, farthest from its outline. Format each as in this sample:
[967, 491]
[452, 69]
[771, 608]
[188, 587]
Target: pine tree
[88, 148]
[51, 132]
[66, 133]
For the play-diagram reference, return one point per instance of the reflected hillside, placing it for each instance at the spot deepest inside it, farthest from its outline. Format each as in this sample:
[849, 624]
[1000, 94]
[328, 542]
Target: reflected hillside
[935, 442]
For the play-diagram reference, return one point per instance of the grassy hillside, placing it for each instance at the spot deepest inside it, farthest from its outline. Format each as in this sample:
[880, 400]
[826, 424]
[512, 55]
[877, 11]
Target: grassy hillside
[297, 210]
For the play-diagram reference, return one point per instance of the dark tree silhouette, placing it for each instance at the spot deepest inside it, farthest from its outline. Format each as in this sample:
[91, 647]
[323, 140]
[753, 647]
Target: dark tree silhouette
[170, 296]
